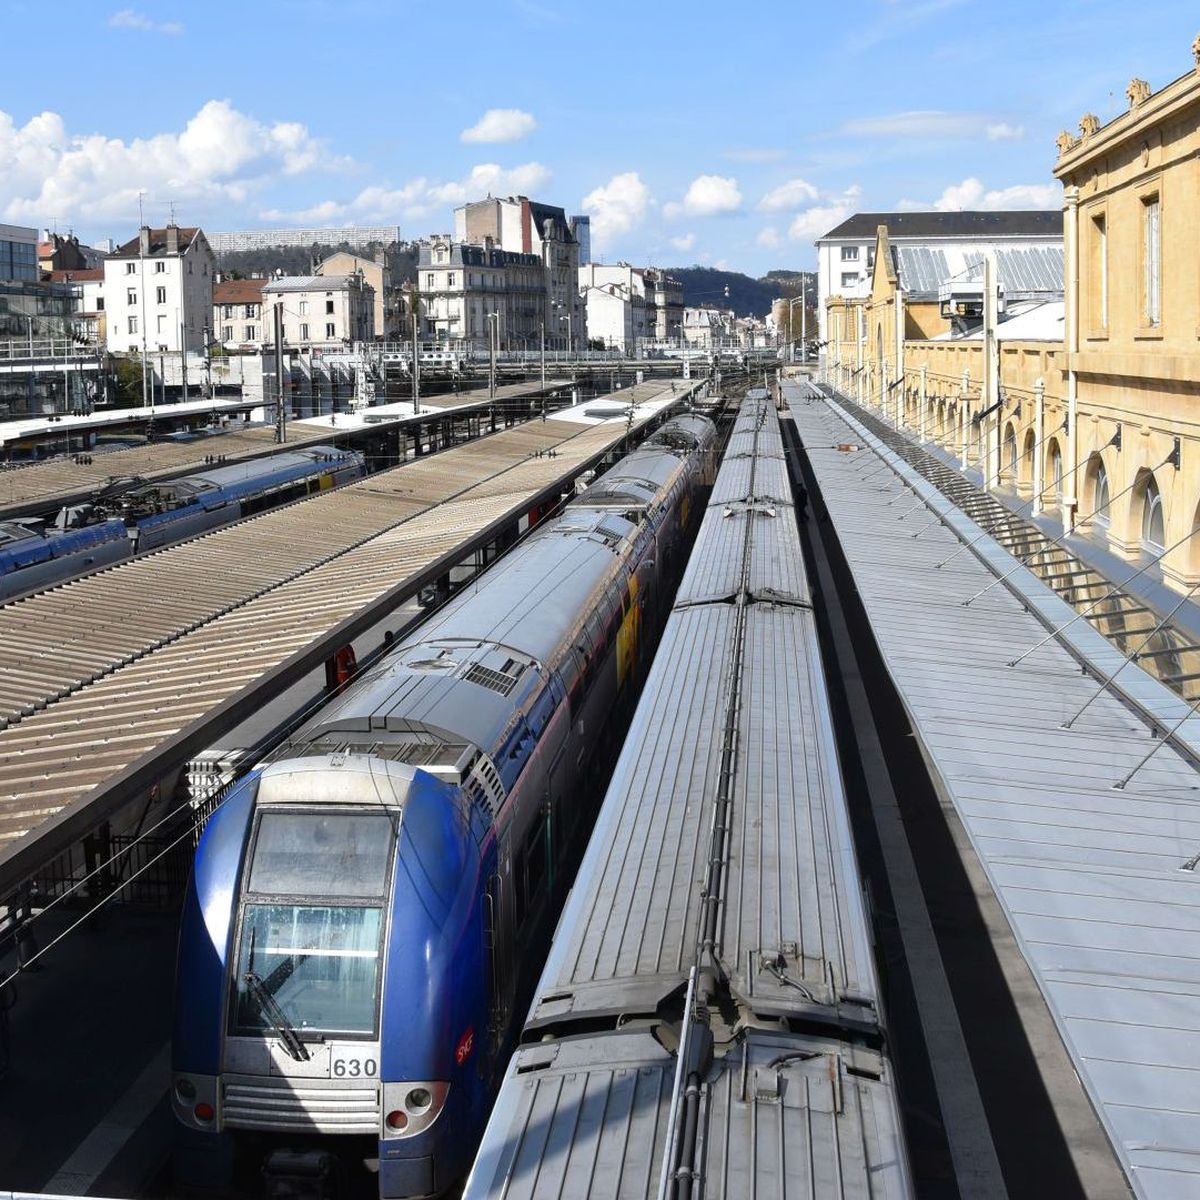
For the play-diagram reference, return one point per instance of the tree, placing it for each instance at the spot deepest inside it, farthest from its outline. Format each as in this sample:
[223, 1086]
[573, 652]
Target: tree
[129, 381]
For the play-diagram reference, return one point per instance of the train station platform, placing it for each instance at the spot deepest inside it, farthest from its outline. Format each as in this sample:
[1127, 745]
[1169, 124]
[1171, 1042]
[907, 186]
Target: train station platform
[1070, 782]
[114, 680]
[37, 486]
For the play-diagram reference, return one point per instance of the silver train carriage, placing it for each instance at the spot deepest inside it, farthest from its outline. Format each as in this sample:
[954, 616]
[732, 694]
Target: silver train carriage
[363, 905]
[708, 1021]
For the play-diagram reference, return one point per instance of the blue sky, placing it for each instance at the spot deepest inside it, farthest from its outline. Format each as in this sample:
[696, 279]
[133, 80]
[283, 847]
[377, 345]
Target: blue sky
[718, 133]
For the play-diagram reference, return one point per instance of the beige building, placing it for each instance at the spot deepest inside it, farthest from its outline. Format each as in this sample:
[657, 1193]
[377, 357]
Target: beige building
[388, 310]
[1132, 354]
[1087, 410]
[327, 311]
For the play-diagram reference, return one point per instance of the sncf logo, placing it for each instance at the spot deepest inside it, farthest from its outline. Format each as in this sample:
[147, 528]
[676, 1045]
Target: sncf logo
[465, 1045]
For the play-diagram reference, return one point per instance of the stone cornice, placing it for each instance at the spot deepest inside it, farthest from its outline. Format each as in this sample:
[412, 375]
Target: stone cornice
[1146, 111]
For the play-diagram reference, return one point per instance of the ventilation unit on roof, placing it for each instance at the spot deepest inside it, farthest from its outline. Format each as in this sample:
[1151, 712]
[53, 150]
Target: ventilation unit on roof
[963, 299]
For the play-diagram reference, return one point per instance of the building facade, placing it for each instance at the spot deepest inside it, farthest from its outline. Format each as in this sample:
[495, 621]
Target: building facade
[356, 237]
[655, 298]
[616, 316]
[158, 292]
[1132, 359]
[379, 272]
[91, 321]
[463, 286]
[237, 320]
[937, 245]
[319, 311]
[1085, 409]
[520, 225]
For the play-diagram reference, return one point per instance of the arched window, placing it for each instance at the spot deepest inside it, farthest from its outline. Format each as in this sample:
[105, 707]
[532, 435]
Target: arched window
[1010, 452]
[1153, 524]
[1056, 470]
[1100, 513]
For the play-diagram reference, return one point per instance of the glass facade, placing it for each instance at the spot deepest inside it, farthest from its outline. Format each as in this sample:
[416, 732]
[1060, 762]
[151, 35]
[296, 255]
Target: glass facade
[45, 367]
[18, 260]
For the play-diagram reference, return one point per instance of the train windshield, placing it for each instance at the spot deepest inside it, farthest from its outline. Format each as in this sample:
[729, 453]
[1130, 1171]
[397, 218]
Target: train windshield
[312, 924]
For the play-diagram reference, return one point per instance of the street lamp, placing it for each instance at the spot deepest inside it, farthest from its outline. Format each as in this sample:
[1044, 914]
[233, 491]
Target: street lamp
[802, 300]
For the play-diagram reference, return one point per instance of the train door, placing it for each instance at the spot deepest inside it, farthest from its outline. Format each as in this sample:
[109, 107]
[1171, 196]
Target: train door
[499, 943]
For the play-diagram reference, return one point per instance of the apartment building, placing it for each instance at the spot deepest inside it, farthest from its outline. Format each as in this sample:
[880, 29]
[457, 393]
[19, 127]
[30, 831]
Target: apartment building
[319, 311]
[520, 225]
[237, 319]
[158, 291]
[463, 285]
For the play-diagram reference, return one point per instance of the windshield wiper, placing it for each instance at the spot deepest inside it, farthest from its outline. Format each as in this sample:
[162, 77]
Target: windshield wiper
[271, 1010]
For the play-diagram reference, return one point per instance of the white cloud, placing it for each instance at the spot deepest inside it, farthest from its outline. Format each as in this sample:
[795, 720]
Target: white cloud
[932, 123]
[768, 237]
[707, 196]
[500, 125]
[1002, 131]
[814, 222]
[796, 193]
[972, 195]
[128, 18]
[220, 156]
[420, 197]
[686, 242]
[616, 207]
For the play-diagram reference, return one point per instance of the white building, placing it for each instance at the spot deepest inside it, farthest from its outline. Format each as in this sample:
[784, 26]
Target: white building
[616, 316]
[659, 296]
[524, 226]
[356, 237]
[935, 246]
[319, 310]
[707, 327]
[158, 292]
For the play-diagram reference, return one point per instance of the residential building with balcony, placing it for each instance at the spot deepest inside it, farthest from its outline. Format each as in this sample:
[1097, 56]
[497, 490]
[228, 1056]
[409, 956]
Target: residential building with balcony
[519, 225]
[658, 297]
[462, 284]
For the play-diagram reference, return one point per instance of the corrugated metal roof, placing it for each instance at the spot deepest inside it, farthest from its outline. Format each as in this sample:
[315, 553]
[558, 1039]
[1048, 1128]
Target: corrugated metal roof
[587, 1118]
[1021, 271]
[1099, 884]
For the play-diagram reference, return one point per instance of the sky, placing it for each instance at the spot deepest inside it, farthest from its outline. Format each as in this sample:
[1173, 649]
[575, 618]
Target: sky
[720, 134]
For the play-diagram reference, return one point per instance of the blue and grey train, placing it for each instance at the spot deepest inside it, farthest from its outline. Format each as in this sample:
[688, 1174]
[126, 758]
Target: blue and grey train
[369, 907]
[122, 523]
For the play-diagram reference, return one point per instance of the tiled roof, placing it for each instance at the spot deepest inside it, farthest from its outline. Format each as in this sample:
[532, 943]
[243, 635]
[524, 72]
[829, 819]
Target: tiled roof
[238, 291]
[158, 243]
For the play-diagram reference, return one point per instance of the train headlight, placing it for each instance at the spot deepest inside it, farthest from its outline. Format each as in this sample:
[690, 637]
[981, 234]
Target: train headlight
[410, 1107]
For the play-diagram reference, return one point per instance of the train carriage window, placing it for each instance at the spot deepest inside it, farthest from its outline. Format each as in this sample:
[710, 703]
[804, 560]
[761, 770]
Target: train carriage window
[343, 855]
[531, 870]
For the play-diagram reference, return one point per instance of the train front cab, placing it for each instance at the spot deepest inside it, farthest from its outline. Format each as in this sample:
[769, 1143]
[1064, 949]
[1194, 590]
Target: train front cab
[332, 988]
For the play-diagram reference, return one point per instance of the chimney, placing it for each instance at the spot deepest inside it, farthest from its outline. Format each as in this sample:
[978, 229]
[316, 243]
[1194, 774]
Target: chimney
[144, 239]
[172, 239]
